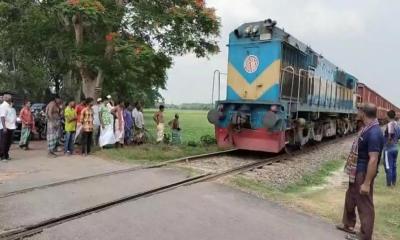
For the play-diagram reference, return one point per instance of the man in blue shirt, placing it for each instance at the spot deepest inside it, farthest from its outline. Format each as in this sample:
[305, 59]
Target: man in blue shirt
[360, 191]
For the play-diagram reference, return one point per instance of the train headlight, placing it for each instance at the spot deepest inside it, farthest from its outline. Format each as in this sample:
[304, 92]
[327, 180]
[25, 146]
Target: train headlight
[255, 30]
[247, 30]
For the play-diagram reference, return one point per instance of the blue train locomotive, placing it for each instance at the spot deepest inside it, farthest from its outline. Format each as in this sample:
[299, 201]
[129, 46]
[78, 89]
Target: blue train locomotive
[280, 93]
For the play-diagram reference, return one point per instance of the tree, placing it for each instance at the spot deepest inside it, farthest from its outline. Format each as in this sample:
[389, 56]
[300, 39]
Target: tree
[122, 46]
[34, 53]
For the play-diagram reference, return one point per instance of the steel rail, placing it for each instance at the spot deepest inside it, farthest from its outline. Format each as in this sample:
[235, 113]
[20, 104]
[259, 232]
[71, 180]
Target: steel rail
[39, 227]
[158, 165]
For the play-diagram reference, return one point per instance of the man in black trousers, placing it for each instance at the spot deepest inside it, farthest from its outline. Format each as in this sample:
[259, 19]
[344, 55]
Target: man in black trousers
[7, 126]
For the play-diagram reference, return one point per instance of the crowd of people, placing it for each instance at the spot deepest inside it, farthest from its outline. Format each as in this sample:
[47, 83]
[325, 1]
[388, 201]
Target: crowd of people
[103, 123]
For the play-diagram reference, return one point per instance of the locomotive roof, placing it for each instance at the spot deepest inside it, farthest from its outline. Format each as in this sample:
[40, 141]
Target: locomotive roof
[279, 34]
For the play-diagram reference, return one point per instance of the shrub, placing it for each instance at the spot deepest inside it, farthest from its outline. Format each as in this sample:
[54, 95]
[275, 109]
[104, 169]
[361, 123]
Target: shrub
[192, 144]
[167, 138]
[208, 140]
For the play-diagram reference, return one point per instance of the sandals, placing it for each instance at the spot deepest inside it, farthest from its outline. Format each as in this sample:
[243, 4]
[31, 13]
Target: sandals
[353, 237]
[346, 229]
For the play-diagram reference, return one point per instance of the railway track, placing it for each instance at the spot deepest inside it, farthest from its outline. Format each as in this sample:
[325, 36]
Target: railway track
[158, 165]
[30, 230]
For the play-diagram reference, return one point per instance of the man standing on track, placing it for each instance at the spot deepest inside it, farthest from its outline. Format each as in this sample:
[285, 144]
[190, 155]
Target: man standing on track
[7, 126]
[159, 120]
[362, 166]
[53, 125]
[392, 135]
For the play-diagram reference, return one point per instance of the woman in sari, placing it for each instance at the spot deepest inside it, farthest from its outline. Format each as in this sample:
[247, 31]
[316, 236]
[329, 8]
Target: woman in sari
[107, 129]
[119, 124]
[28, 125]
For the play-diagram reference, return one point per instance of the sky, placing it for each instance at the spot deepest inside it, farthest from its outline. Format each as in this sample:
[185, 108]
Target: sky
[360, 36]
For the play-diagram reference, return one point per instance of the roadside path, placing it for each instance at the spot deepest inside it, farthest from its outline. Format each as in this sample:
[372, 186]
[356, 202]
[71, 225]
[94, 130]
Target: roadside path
[202, 211]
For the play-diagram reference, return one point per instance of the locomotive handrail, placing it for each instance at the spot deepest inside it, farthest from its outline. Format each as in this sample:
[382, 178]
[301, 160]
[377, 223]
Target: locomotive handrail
[298, 92]
[219, 86]
[288, 69]
[311, 77]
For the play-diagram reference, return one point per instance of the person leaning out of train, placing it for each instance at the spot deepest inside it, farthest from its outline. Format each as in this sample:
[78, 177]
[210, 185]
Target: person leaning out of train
[392, 135]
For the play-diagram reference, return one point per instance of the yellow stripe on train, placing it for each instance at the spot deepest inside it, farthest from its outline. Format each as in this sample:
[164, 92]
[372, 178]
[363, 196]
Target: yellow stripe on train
[256, 89]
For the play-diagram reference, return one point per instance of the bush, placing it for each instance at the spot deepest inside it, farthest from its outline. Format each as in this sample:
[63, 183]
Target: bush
[167, 138]
[192, 144]
[208, 140]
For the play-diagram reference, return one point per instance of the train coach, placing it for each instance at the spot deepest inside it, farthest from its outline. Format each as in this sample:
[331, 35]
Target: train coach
[281, 93]
[366, 94]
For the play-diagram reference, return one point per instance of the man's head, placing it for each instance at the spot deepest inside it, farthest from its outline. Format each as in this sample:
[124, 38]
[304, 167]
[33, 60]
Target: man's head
[99, 100]
[7, 98]
[391, 114]
[71, 104]
[27, 103]
[368, 111]
[161, 108]
[89, 101]
[58, 100]
[129, 106]
[121, 104]
[176, 116]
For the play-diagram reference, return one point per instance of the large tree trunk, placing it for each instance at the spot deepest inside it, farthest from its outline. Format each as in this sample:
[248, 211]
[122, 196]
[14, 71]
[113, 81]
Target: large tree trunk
[91, 81]
[88, 82]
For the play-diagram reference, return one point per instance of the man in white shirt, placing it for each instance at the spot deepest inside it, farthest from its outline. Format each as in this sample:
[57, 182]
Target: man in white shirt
[8, 119]
[139, 124]
[135, 112]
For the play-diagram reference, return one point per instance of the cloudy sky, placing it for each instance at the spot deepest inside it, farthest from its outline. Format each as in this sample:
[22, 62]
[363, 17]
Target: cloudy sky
[360, 36]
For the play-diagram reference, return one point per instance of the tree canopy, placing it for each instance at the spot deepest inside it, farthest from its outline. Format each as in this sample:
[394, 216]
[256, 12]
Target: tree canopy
[100, 47]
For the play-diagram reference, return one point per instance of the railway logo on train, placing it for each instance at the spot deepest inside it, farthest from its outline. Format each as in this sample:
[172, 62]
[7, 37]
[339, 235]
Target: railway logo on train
[251, 64]
[283, 94]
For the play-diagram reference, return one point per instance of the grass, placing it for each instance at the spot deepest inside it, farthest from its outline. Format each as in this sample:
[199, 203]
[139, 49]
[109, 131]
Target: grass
[149, 153]
[194, 123]
[316, 178]
[328, 201]
[387, 202]
[292, 190]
